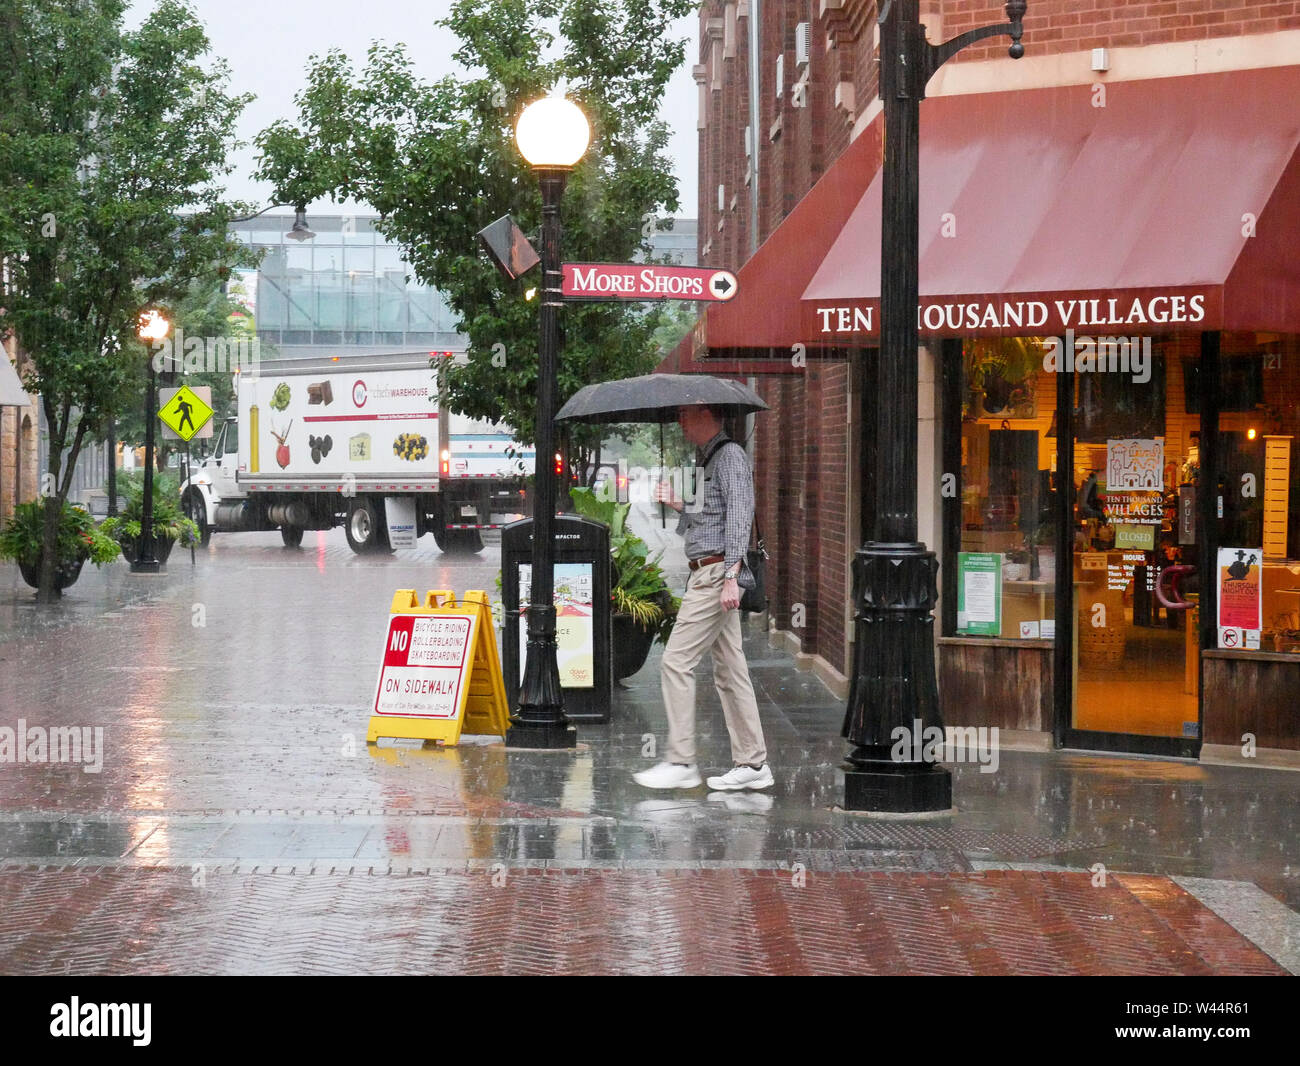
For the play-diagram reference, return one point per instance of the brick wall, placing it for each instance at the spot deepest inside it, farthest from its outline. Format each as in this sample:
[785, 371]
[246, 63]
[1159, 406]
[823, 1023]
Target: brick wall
[11, 435]
[1056, 26]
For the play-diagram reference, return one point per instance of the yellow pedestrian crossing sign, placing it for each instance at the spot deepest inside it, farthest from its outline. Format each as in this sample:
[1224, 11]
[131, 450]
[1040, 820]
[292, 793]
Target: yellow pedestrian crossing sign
[186, 412]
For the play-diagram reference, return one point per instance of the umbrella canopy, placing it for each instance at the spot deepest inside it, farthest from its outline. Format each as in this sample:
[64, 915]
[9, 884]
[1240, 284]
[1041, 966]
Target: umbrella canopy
[656, 398]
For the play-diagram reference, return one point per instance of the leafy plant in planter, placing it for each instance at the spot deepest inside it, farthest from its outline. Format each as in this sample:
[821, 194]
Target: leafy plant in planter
[999, 373]
[169, 523]
[639, 592]
[78, 540]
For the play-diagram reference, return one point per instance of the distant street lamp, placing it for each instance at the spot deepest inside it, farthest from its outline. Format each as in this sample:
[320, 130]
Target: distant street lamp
[552, 135]
[153, 327]
[894, 574]
[299, 230]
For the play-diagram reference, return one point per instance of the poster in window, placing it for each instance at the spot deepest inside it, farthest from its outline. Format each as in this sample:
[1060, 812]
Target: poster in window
[1240, 602]
[1135, 463]
[979, 593]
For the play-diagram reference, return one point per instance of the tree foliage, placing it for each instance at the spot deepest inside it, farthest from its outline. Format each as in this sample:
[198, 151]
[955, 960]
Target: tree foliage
[205, 311]
[112, 143]
[438, 162]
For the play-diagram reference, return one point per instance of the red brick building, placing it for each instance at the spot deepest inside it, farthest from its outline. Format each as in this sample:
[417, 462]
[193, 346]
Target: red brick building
[19, 468]
[1120, 95]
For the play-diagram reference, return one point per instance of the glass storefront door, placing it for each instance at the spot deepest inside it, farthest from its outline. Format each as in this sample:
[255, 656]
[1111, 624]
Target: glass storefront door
[1135, 659]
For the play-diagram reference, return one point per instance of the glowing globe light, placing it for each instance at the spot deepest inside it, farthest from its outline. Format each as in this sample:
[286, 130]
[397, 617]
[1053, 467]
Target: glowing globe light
[153, 326]
[552, 132]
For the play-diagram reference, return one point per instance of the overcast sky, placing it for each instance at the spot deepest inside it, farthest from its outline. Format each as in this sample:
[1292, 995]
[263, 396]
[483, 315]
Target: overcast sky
[268, 42]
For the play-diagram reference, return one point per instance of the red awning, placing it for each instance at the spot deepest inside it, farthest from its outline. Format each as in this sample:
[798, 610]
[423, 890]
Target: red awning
[765, 311]
[1174, 207]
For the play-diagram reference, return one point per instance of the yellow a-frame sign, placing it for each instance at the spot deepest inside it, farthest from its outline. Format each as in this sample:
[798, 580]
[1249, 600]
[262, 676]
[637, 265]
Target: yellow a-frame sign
[441, 674]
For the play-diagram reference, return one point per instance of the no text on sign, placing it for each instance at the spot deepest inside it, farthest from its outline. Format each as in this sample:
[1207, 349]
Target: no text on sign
[636, 281]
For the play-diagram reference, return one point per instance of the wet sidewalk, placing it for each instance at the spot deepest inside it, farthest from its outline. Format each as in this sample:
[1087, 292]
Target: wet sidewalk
[239, 822]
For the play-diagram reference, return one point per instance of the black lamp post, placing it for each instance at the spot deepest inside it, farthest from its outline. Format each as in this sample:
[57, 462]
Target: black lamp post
[894, 574]
[153, 327]
[552, 134]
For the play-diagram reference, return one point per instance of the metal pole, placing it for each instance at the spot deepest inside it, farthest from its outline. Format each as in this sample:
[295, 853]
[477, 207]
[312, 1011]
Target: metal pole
[894, 575]
[145, 562]
[112, 467]
[663, 507]
[540, 721]
[187, 476]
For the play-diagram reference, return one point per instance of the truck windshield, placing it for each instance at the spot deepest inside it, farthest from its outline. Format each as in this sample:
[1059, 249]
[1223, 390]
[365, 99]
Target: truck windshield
[228, 440]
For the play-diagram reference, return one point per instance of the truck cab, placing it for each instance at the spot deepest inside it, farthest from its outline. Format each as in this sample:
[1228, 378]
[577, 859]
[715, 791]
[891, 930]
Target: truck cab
[213, 480]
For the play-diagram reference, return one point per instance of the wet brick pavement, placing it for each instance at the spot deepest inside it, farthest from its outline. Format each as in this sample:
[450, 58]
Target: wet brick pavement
[686, 921]
[240, 823]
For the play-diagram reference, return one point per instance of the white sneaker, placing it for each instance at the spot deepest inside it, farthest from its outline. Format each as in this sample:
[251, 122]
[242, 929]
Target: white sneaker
[743, 777]
[744, 802]
[668, 775]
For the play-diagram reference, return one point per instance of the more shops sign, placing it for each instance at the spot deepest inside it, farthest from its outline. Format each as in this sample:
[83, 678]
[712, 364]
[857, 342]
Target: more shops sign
[634, 281]
[1022, 315]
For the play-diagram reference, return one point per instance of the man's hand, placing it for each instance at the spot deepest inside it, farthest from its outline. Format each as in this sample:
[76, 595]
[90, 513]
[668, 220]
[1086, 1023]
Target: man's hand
[730, 594]
[664, 494]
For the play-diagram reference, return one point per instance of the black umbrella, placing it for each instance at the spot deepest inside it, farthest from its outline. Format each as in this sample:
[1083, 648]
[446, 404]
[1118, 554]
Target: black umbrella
[656, 398]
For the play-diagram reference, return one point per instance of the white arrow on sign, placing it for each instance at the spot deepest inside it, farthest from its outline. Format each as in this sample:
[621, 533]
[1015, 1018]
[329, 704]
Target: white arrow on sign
[723, 285]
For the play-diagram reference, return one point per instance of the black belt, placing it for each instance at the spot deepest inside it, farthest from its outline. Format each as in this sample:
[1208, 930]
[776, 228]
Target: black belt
[706, 560]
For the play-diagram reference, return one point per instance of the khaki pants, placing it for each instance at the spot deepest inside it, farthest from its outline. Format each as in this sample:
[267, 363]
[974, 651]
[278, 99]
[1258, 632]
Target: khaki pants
[703, 625]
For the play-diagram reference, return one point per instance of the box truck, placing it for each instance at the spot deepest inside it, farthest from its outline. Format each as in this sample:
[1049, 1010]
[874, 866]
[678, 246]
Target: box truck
[360, 443]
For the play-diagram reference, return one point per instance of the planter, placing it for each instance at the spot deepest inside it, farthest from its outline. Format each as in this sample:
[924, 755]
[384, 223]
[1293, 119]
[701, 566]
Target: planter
[1014, 571]
[1046, 564]
[162, 548]
[66, 574]
[632, 646]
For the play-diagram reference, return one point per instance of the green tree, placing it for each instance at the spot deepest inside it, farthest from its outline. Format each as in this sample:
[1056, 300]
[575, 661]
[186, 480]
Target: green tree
[438, 162]
[676, 321]
[111, 144]
[206, 311]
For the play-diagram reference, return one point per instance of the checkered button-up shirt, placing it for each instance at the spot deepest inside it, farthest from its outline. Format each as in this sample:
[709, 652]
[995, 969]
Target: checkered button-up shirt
[718, 520]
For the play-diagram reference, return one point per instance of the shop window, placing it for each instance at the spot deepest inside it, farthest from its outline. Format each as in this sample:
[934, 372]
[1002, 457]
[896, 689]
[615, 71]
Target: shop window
[1257, 490]
[1006, 566]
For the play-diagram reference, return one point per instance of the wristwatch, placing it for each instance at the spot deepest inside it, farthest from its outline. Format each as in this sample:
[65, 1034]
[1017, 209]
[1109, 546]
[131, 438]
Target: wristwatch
[732, 574]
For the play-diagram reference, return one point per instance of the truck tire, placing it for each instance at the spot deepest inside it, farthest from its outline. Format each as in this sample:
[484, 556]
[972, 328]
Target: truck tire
[197, 512]
[365, 526]
[291, 535]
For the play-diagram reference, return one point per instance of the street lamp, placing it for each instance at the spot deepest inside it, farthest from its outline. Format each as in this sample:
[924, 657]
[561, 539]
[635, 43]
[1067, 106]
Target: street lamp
[299, 230]
[894, 574]
[552, 135]
[153, 326]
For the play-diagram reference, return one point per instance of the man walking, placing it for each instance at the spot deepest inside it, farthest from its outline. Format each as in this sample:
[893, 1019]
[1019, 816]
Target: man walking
[717, 536]
[184, 407]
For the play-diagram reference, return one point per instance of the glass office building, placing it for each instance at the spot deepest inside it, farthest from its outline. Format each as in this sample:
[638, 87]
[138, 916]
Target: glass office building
[347, 291]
